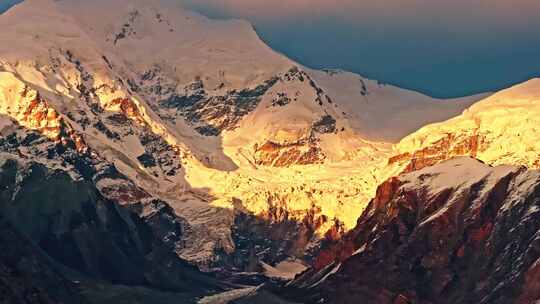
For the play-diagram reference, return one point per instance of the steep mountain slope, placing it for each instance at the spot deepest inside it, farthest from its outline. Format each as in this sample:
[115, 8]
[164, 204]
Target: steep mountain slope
[153, 136]
[447, 230]
[28, 276]
[498, 130]
[66, 216]
[457, 232]
[502, 129]
[202, 115]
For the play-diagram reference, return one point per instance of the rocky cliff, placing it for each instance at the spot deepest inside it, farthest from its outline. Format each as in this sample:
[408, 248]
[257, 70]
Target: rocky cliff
[457, 232]
[28, 275]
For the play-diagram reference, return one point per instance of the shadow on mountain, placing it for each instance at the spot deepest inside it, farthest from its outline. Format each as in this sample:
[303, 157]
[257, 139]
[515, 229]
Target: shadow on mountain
[105, 251]
[117, 241]
[121, 245]
[88, 237]
[27, 274]
[271, 238]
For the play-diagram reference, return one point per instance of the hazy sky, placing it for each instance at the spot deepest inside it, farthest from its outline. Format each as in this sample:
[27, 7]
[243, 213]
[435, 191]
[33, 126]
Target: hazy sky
[443, 48]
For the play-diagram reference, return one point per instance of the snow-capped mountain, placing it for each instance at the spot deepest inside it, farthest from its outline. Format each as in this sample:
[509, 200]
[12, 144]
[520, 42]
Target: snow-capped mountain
[202, 114]
[192, 140]
[449, 228]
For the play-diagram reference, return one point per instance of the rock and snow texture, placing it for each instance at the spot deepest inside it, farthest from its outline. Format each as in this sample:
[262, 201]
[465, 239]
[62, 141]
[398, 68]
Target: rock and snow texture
[228, 296]
[501, 129]
[75, 231]
[285, 270]
[203, 115]
[235, 155]
[457, 232]
[384, 112]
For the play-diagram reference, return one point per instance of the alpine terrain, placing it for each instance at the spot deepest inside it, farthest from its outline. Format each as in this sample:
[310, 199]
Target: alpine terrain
[149, 154]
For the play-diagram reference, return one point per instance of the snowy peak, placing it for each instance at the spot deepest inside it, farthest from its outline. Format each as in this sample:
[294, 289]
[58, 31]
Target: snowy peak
[526, 94]
[172, 57]
[149, 32]
[501, 129]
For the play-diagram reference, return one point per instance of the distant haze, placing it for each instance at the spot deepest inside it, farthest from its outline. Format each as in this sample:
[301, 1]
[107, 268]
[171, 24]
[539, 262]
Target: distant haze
[444, 48]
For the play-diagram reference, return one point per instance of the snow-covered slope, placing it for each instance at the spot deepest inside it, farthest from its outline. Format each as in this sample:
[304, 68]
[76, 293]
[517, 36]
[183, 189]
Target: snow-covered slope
[384, 112]
[202, 114]
[501, 129]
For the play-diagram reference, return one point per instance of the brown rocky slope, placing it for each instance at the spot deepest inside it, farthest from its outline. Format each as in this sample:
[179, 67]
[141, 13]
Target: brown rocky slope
[457, 232]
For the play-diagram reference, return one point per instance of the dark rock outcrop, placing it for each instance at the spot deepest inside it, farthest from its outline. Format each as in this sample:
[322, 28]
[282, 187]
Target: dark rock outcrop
[283, 155]
[217, 113]
[327, 124]
[271, 237]
[27, 275]
[78, 228]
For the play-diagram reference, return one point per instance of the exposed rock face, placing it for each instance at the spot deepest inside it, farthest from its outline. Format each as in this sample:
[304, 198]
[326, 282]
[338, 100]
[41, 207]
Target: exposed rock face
[222, 112]
[327, 124]
[305, 151]
[272, 237]
[277, 155]
[30, 109]
[452, 145]
[457, 232]
[213, 111]
[129, 109]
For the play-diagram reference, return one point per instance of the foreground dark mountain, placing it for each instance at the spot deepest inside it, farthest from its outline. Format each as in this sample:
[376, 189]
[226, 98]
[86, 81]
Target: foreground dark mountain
[457, 232]
[58, 229]
[27, 274]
